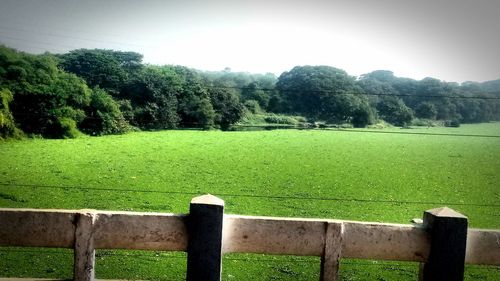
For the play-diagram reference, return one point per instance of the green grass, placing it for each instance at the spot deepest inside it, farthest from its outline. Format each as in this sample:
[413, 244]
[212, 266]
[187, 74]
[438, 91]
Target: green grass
[458, 171]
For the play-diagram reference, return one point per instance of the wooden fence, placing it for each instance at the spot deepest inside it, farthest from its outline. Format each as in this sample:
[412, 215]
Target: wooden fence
[442, 243]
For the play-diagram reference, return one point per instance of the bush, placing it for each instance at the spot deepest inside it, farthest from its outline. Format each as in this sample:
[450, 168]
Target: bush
[252, 106]
[68, 128]
[395, 111]
[426, 110]
[227, 107]
[103, 116]
[8, 128]
[280, 119]
[424, 122]
[452, 123]
[362, 116]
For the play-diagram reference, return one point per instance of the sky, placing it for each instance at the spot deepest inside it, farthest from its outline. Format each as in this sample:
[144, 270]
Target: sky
[452, 40]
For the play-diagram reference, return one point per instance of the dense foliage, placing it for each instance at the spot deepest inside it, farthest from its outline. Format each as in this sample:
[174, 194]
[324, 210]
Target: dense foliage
[101, 92]
[46, 100]
[8, 128]
[431, 99]
[327, 93]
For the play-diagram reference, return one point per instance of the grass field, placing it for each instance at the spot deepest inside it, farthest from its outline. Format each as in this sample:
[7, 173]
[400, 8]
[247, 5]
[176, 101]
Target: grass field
[397, 176]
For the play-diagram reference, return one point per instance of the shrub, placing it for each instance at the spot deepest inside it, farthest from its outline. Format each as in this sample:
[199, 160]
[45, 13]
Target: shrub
[426, 110]
[280, 119]
[395, 111]
[68, 128]
[8, 128]
[423, 122]
[252, 106]
[103, 116]
[452, 123]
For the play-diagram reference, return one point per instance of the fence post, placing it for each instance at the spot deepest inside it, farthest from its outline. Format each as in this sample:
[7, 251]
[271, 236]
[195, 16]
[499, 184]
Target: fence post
[84, 253]
[448, 234]
[204, 251]
[330, 260]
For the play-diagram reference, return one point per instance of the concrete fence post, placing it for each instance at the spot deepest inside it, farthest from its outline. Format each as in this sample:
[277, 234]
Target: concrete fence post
[448, 233]
[84, 253]
[330, 261]
[204, 225]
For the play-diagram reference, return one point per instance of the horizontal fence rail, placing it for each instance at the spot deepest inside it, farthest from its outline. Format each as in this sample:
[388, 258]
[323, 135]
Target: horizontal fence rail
[86, 230]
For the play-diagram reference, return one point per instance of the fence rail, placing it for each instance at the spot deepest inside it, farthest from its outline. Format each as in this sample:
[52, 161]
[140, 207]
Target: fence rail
[86, 230]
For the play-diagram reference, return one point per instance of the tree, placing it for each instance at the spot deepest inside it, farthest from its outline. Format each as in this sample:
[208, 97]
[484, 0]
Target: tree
[363, 115]
[153, 92]
[194, 106]
[46, 100]
[227, 106]
[426, 110]
[102, 68]
[382, 76]
[394, 111]
[252, 106]
[103, 115]
[320, 92]
[253, 92]
[8, 127]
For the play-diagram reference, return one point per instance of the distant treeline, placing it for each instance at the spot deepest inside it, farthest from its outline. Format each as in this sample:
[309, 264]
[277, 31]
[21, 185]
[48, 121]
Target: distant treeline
[100, 92]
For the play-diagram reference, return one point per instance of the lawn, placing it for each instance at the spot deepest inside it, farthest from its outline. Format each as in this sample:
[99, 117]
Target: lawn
[355, 175]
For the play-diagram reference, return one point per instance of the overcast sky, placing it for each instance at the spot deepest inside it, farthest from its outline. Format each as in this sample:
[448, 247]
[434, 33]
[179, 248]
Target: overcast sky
[452, 40]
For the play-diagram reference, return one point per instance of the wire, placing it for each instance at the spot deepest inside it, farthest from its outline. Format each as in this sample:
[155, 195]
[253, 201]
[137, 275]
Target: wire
[254, 195]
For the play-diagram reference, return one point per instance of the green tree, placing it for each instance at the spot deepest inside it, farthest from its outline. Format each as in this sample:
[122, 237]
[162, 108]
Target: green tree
[426, 110]
[252, 106]
[8, 127]
[253, 92]
[194, 105]
[394, 111]
[363, 115]
[320, 92]
[228, 109]
[106, 69]
[153, 92]
[103, 115]
[45, 98]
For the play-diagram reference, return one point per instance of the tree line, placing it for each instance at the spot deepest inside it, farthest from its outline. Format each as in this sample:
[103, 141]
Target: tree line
[101, 92]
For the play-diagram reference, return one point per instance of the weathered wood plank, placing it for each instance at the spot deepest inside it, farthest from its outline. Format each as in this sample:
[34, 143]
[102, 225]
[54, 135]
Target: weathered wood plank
[140, 231]
[385, 242]
[483, 247]
[37, 228]
[283, 236]
[84, 262]
[330, 260]
[267, 235]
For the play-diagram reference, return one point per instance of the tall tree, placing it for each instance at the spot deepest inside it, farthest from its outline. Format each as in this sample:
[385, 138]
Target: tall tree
[8, 127]
[320, 92]
[102, 68]
[227, 106]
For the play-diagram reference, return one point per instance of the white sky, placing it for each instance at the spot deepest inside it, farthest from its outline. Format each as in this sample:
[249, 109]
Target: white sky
[452, 40]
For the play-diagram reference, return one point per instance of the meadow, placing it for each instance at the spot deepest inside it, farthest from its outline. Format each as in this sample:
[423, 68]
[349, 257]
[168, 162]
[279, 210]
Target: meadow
[390, 175]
